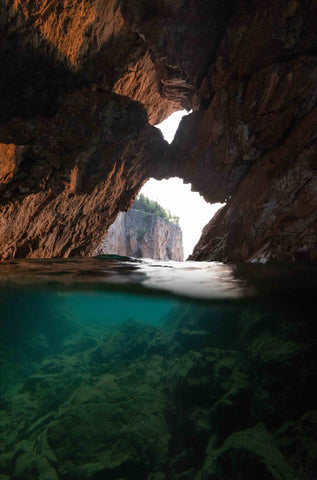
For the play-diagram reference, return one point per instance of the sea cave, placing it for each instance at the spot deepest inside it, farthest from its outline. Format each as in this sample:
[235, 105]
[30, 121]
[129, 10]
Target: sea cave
[120, 368]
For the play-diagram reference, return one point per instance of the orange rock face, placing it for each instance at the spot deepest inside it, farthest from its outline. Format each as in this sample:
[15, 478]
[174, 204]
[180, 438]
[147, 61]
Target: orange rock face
[140, 83]
[10, 159]
[81, 81]
[87, 163]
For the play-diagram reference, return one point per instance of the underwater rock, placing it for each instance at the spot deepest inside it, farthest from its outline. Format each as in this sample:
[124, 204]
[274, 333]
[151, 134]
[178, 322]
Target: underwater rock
[132, 340]
[76, 402]
[192, 339]
[78, 343]
[298, 441]
[247, 453]
[127, 401]
[156, 476]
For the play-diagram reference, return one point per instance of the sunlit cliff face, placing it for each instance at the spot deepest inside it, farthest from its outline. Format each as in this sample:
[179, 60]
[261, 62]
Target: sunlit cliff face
[82, 84]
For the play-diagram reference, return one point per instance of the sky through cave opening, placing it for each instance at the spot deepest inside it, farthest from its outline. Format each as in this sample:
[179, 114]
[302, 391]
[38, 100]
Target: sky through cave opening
[174, 195]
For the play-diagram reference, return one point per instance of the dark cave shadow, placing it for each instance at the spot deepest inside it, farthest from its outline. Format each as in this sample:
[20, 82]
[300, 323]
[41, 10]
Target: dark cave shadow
[34, 80]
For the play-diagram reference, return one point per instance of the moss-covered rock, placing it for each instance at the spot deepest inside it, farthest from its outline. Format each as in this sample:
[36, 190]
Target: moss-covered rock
[192, 401]
[246, 454]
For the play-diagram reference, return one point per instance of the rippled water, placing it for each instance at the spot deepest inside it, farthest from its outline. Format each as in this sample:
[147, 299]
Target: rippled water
[119, 368]
[201, 280]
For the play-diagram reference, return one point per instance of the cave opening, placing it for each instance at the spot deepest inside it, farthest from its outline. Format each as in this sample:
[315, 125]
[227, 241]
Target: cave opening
[170, 125]
[191, 208]
[177, 197]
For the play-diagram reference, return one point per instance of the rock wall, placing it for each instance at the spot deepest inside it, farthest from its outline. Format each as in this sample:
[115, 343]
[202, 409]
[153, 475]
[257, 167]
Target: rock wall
[143, 235]
[256, 139]
[272, 215]
[68, 179]
[82, 82]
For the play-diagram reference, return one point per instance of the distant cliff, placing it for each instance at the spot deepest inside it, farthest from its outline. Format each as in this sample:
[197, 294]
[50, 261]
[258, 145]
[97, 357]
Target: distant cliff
[143, 235]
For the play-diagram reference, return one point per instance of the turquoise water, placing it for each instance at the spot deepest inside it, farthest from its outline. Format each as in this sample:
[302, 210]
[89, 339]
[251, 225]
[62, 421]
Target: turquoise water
[124, 369]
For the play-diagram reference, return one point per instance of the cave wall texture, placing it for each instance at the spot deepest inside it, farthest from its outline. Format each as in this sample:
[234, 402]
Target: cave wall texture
[82, 82]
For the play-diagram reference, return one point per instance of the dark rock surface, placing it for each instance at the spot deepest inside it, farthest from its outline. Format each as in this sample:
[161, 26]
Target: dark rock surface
[143, 235]
[64, 187]
[272, 215]
[75, 145]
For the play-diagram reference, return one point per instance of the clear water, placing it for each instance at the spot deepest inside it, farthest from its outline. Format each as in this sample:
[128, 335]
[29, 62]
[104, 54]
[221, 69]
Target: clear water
[120, 368]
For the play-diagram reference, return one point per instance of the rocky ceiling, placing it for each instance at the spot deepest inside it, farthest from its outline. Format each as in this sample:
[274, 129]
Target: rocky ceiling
[83, 81]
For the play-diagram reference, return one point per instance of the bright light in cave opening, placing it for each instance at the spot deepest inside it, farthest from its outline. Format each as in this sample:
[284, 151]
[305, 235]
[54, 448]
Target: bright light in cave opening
[193, 211]
[170, 125]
